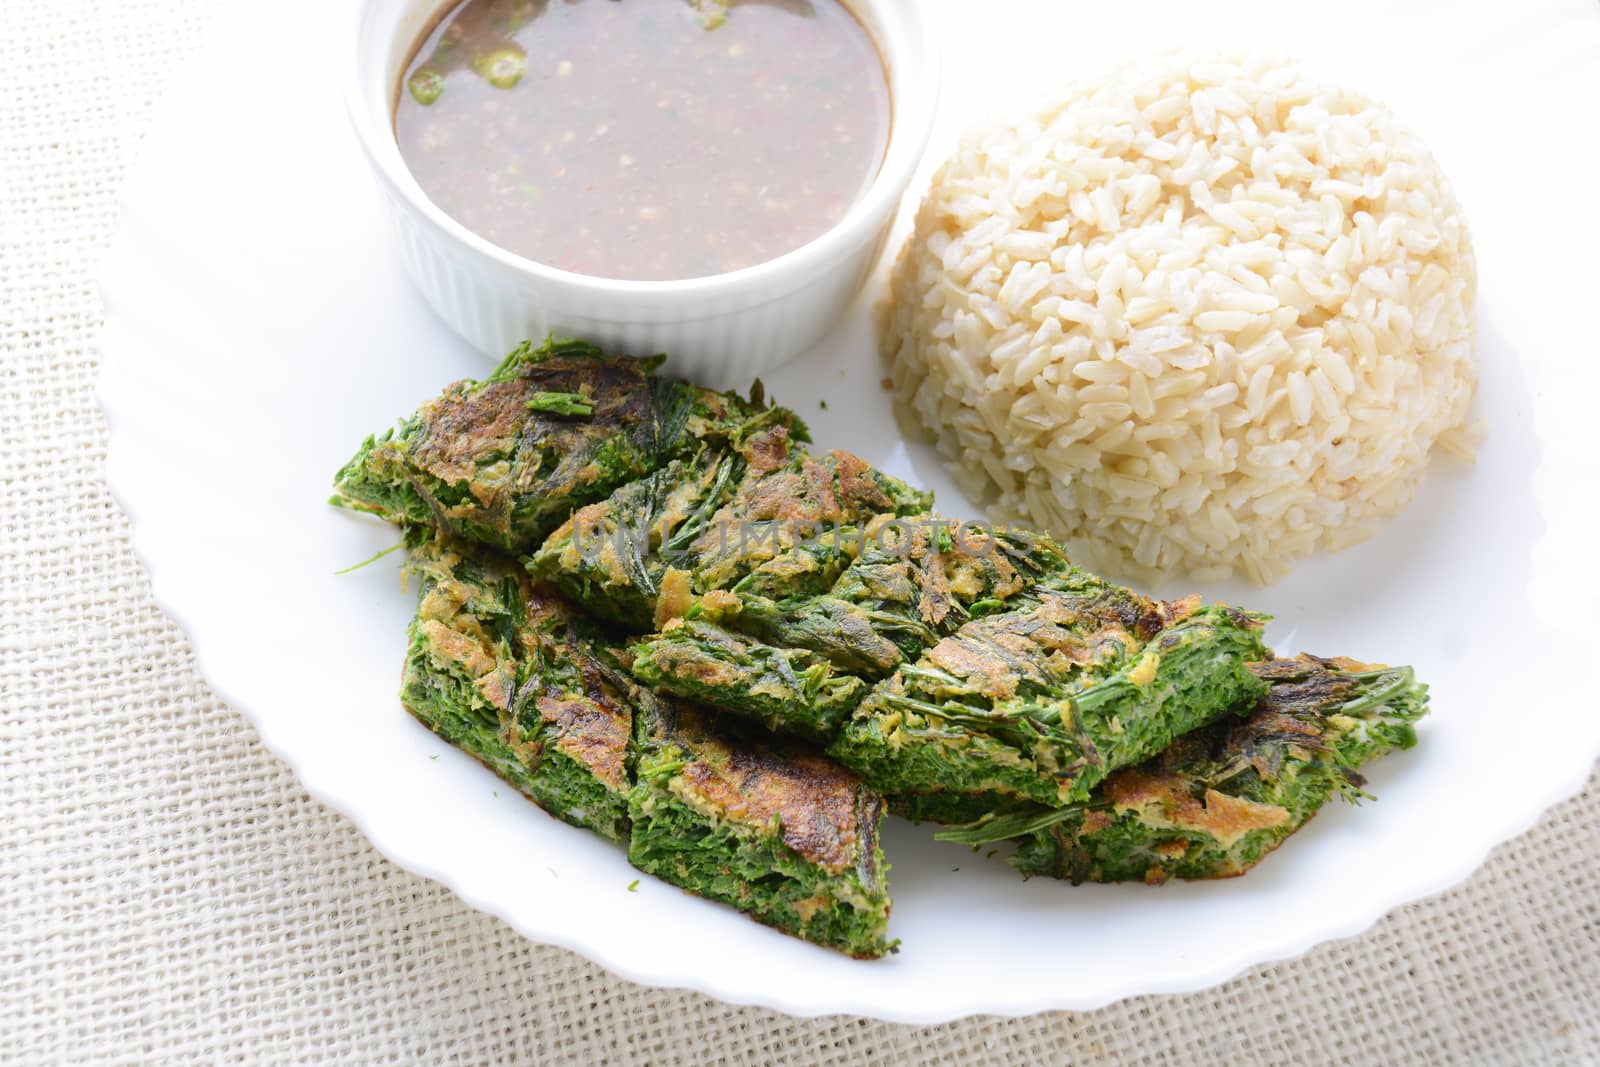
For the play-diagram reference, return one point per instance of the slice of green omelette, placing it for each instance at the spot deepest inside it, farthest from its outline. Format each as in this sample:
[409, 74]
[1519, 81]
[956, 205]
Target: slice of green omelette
[788, 690]
[800, 663]
[511, 674]
[505, 460]
[781, 833]
[572, 718]
[703, 523]
[463, 653]
[913, 580]
[791, 498]
[613, 556]
[1218, 800]
[1042, 701]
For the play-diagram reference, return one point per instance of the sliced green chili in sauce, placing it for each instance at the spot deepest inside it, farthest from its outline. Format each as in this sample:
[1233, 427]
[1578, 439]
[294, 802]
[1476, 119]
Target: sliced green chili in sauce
[645, 139]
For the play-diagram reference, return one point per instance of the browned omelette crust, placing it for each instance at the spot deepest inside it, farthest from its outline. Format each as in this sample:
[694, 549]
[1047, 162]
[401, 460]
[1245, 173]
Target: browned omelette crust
[485, 438]
[856, 485]
[936, 601]
[818, 490]
[675, 596]
[590, 725]
[1030, 647]
[817, 803]
[766, 450]
[785, 496]
[718, 602]
[929, 575]
[593, 730]
[470, 653]
[455, 634]
[688, 664]
[547, 607]
[991, 675]
[1164, 799]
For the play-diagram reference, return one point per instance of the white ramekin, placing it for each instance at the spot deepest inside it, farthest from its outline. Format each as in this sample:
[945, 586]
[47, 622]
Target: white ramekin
[722, 330]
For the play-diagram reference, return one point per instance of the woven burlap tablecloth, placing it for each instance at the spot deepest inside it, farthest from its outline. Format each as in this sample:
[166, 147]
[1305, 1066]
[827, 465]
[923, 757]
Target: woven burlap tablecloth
[168, 891]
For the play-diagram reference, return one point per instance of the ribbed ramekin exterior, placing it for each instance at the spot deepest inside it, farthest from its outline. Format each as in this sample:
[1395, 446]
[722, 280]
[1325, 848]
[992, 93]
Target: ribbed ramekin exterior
[723, 340]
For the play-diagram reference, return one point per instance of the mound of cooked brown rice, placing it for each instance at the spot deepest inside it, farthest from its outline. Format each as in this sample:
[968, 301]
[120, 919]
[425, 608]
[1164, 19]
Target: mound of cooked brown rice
[1206, 316]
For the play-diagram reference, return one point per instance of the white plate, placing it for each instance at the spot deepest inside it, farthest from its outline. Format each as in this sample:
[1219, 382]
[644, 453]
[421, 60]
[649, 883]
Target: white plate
[257, 328]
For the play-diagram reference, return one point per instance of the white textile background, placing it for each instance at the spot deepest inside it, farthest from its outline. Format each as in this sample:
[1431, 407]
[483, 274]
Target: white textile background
[168, 892]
